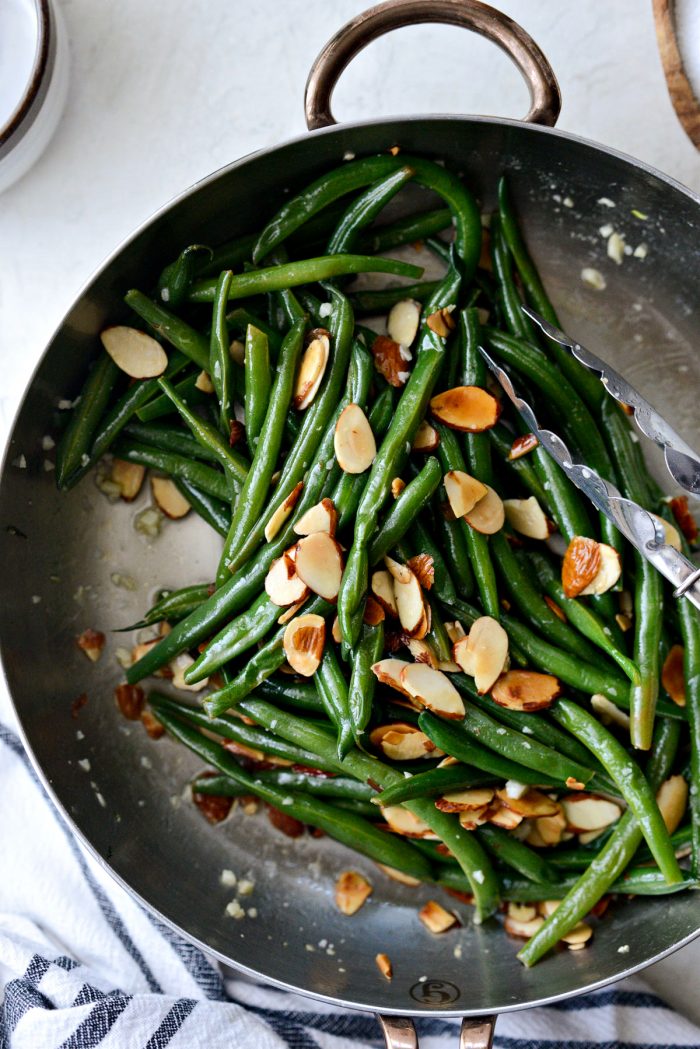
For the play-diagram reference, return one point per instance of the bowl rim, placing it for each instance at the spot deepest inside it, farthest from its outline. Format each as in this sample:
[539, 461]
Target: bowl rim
[34, 91]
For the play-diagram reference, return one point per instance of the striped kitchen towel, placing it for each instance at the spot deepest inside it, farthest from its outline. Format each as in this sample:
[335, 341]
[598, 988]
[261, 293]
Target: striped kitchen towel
[83, 965]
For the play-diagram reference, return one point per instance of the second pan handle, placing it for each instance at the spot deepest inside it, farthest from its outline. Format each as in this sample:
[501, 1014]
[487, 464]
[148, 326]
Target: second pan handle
[545, 98]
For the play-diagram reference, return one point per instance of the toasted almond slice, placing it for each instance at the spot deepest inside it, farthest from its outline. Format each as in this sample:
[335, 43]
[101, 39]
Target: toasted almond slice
[586, 812]
[401, 573]
[488, 516]
[527, 517]
[290, 612]
[684, 519]
[410, 605]
[422, 652]
[355, 447]
[523, 930]
[401, 821]
[304, 638]
[178, 666]
[522, 912]
[463, 491]
[389, 671]
[448, 666]
[581, 564]
[673, 675]
[547, 907]
[466, 408]
[323, 517]
[427, 438]
[554, 607]
[336, 632]
[373, 613]
[383, 963]
[671, 534]
[486, 652]
[436, 918]
[500, 816]
[442, 322]
[382, 585]
[391, 360]
[578, 936]
[465, 800]
[423, 568]
[320, 564]
[532, 804]
[400, 876]
[526, 690]
[129, 477]
[91, 642]
[140, 650]
[522, 445]
[402, 742]
[403, 320]
[311, 370]
[282, 512]
[168, 498]
[204, 383]
[624, 622]
[587, 836]
[154, 729]
[574, 784]
[547, 830]
[397, 487]
[609, 572]
[455, 631]
[351, 891]
[608, 712]
[672, 798]
[134, 352]
[433, 689]
[237, 351]
[282, 584]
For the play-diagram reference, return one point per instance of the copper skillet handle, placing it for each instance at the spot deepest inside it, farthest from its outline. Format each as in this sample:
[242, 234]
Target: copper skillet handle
[545, 98]
[400, 1033]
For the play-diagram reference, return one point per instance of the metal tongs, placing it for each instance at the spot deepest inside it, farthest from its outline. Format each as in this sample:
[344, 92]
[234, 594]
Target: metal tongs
[640, 527]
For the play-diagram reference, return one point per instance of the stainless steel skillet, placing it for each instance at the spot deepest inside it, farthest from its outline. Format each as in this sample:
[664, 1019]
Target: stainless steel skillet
[77, 555]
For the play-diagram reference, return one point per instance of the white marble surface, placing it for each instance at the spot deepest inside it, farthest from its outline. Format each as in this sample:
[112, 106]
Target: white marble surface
[162, 92]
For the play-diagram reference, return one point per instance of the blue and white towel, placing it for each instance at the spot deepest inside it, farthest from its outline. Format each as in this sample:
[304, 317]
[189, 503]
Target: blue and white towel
[82, 966]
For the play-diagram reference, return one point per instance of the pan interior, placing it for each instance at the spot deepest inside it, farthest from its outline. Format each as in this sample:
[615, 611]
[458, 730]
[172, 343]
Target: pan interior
[75, 561]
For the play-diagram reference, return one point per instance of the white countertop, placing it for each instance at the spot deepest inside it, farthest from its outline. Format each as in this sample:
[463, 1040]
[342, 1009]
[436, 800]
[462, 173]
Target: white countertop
[164, 92]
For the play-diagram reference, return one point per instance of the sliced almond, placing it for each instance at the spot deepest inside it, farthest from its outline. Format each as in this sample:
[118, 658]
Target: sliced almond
[608, 573]
[382, 586]
[134, 352]
[129, 477]
[436, 918]
[403, 320]
[402, 742]
[527, 517]
[336, 632]
[547, 830]
[237, 351]
[399, 876]
[373, 613]
[401, 821]
[423, 568]
[547, 907]
[488, 516]
[670, 533]
[466, 408]
[673, 675]
[168, 498]
[154, 729]
[383, 963]
[531, 805]
[422, 652]
[609, 713]
[587, 836]
[320, 564]
[455, 631]
[397, 487]
[282, 584]
[204, 383]
[523, 930]
[521, 912]
[624, 622]
[672, 799]
[282, 512]
[354, 443]
[178, 666]
[410, 605]
[391, 360]
[351, 891]
[580, 566]
[586, 812]
[323, 517]
[433, 689]
[526, 690]
[465, 800]
[554, 607]
[522, 445]
[442, 322]
[389, 671]
[684, 519]
[303, 642]
[505, 818]
[91, 642]
[311, 370]
[427, 438]
[401, 573]
[293, 610]
[463, 491]
[578, 937]
[484, 653]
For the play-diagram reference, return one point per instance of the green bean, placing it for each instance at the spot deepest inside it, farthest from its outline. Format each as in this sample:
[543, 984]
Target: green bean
[402, 514]
[690, 633]
[239, 318]
[473, 373]
[220, 364]
[182, 336]
[223, 786]
[516, 854]
[257, 484]
[681, 839]
[562, 498]
[408, 230]
[451, 458]
[239, 635]
[584, 381]
[309, 783]
[634, 478]
[172, 605]
[333, 690]
[75, 443]
[364, 209]
[234, 464]
[454, 544]
[227, 256]
[628, 778]
[522, 468]
[637, 881]
[648, 625]
[610, 862]
[258, 380]
[304, 271]
[362, 680]
[517, 322]
[177, 466]
[346, 827]
[371, 301]
[434, 783]
[455, 742]
[215, 512]
[288, 692]
[437, 636]
[169, 439]
[155, 407]
[175, 279]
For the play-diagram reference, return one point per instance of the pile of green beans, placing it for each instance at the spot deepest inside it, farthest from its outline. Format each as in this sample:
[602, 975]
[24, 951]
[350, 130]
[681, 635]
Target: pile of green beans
[252, 464]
